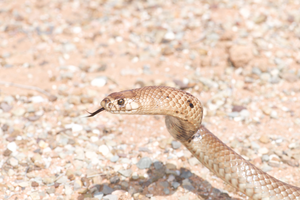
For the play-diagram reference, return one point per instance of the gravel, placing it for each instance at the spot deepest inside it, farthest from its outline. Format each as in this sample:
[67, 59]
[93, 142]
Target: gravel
[243, 67]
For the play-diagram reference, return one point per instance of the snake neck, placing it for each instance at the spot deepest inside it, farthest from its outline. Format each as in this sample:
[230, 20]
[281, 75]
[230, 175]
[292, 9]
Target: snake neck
[180, 129]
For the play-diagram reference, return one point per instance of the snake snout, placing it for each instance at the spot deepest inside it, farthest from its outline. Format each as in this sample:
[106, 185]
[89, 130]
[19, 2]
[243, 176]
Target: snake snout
[106, 103]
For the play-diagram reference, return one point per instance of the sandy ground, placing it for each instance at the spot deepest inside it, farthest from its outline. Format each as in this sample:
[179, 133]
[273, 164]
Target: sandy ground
[241, 59]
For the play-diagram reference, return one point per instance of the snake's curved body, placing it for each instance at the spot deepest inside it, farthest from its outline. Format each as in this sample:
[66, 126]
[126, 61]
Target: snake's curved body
[183, 120]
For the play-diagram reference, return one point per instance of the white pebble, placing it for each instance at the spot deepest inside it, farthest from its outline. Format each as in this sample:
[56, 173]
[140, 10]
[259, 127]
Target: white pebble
[91, 154]
[13, 162]
[68, 190]
[37, 99]
[274, 114]
[119, 39]
[263, 150]
[292, 145]
[75, 127]
[180, 154]
[76, 29]
[245, 12]
[104, 150]
[96, 131]
[169, 35]
[47, 150]
[99, 82]
[171, 178]
[94, 139]
[12, 146]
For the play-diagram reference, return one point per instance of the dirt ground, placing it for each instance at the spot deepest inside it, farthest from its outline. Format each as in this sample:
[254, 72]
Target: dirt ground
[59, 59]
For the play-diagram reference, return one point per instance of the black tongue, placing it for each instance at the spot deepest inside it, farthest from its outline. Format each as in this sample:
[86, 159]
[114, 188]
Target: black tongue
[95, 113]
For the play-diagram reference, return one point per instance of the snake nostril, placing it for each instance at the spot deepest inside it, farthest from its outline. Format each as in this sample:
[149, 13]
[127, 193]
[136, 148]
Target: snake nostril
[109, 105]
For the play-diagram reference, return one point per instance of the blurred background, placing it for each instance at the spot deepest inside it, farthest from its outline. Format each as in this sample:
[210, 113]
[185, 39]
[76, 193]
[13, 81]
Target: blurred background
[60, 58]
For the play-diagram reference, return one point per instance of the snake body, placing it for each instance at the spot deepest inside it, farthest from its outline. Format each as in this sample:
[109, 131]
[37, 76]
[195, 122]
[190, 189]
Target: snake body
[183, 120]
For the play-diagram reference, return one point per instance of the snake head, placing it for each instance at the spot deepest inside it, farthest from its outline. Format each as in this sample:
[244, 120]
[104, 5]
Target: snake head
[119, 103]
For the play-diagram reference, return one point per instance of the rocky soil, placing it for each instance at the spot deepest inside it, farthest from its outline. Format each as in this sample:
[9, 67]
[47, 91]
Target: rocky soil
[59, 59]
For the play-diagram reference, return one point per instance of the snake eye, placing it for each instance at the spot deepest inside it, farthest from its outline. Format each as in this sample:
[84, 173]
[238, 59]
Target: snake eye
[121, 102]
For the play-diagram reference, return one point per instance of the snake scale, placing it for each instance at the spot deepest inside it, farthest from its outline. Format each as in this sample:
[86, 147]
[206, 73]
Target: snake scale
[183, 120]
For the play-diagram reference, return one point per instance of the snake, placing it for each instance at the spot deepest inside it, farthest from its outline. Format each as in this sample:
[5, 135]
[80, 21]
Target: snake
[183, 116]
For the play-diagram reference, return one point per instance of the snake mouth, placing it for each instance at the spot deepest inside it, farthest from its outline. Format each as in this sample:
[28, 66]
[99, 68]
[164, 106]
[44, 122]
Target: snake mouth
[123, 111]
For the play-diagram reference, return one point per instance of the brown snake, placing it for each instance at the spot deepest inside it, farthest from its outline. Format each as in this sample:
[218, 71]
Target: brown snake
[183, 120]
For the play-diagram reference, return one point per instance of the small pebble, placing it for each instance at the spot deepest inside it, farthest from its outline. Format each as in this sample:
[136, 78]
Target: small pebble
[237, 108]
[12, 146]
[68, 190]
[169, 35]
[265, 158]
[34, 184]
[175, 185]
[35, 195]
[63, 180]
[104, 150]
[7, 152]
[106, 189]
[23, 184]
[114, 158]
[50, 190]
[19, 112]
[98, 195]
[13, 161]
[263, 150]
[144, 163]
[164, 184]
[76, 128]
[187, 185]
[264, 139]
[82, 190]
[186, 174]
[194, 161]
[158, 165]
[266, 168]
[5, 107]
[135, 176]
[110, 197]
[254, 145]
[126, 173]
[176, 144]
[124, 185]
[166, 191]
[114, 180]
[99, 81]
[37, 99]
[274, 114]
[48, 180]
